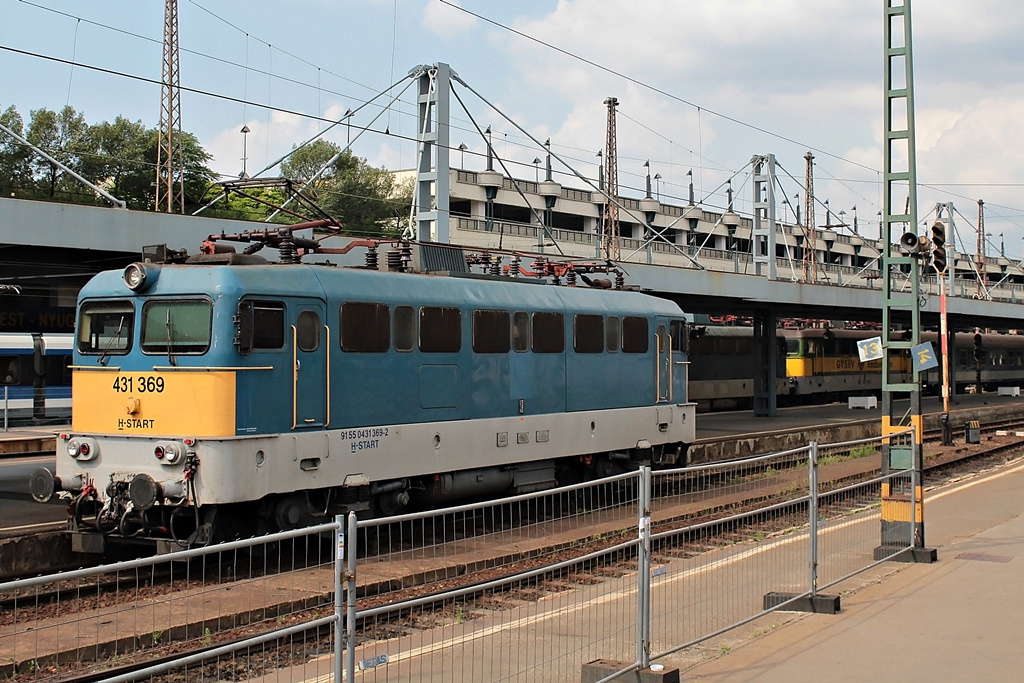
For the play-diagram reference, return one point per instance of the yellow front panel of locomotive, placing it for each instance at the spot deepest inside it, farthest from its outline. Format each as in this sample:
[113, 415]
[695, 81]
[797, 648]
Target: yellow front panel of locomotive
[153, 403]
[799, 367]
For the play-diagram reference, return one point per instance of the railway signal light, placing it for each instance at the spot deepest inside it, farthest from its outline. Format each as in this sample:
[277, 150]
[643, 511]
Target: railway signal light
[979, 351]
[939, 247]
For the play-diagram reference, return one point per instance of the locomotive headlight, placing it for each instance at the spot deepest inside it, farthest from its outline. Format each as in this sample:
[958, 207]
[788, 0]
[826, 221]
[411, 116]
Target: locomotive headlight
[168, 452]
[82, 449]
[139, 276]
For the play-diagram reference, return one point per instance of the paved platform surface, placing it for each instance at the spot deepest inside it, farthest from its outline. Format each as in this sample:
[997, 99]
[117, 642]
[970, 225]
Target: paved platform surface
[959, 619]
[18, 440]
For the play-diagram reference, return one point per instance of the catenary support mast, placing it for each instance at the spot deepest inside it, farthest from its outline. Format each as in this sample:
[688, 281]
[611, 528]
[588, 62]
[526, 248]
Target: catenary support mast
[610, 220]
[170, 166]
[902, 454]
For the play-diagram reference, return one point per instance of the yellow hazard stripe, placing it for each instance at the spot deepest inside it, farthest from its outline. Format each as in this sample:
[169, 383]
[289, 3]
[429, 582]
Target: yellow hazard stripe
[897, 508]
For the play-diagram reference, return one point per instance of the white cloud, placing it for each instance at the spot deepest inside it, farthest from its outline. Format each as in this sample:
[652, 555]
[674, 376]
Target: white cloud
[446, 21]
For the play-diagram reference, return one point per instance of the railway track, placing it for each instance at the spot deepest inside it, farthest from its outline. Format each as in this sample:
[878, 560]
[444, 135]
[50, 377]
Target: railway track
[745, 523]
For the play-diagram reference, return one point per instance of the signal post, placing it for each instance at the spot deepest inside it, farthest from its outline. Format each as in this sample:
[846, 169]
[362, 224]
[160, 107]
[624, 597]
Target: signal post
[939, 264]
[902, 445]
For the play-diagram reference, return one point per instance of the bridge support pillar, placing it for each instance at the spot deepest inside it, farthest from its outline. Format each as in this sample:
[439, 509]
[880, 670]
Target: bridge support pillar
[766, 351]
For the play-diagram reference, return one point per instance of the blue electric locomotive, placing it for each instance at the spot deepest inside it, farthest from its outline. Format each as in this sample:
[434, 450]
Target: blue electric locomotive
[228, 396]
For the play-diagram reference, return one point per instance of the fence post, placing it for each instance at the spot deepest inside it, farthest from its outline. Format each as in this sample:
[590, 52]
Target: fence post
[812, 470]
[339, 604]
[643, 592]
[350, 618]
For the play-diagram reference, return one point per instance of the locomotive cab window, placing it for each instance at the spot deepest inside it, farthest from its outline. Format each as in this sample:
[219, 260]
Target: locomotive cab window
[260, 325]
[635, 335]
[588, 333]
[366, 327]
[176, 326]
[491, 331]
[440, 329]
[105, 327]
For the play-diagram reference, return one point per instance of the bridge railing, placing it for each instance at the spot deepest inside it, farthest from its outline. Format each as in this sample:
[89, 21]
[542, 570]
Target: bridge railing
[588, 245]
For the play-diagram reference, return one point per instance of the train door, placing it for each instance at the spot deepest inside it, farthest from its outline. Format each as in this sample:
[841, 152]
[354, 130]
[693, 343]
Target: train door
[663, 346]
[310, 355]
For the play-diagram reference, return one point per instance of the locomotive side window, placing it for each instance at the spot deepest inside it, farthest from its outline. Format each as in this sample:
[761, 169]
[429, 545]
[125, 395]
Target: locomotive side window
[588, 333]
[635, 335]
[548, 333]
[491, 331]
[106, 327]
[521, 331]
[680, 335]
[440, 329]
[307, 331]
[612, 333]
[405, 328]
[176, 326]
[366, 328]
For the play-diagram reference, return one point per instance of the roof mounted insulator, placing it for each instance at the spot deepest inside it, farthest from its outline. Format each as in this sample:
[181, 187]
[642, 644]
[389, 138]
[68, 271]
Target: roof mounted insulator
[394, 260]
[406, 250]
[371, 257]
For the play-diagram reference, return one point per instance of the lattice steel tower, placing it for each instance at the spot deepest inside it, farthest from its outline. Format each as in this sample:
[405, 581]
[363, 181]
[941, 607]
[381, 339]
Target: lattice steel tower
[981, 290]
[170, 165]
[610, 222]
[810, 256]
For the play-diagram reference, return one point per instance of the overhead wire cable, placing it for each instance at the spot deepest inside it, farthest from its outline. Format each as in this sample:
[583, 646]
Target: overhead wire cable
[205, 55]
[576, 173]
[650, 87]
[247, 68]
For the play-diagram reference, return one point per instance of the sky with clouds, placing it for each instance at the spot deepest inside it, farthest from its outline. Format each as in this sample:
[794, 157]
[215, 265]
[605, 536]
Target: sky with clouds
[703, 85]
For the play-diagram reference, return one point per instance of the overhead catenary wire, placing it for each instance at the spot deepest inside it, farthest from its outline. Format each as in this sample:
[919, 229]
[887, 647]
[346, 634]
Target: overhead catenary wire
[399, 109]
[648, 86]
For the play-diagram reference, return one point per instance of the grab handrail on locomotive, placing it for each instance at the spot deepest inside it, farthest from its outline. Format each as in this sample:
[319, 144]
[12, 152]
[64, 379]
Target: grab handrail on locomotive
[219, 395]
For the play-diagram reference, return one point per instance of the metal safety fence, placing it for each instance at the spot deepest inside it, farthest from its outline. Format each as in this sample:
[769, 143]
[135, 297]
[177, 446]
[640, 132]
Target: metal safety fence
[627, 570]
[226, 612]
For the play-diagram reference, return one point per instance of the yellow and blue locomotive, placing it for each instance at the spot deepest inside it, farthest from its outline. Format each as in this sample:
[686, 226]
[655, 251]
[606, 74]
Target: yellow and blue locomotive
[227, 396]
